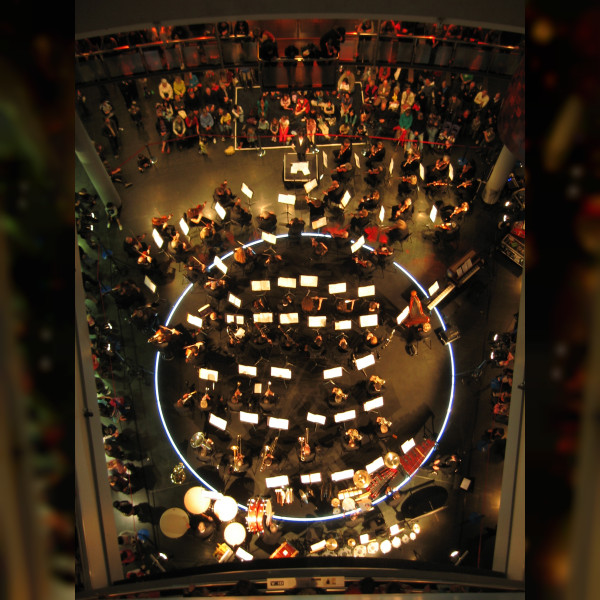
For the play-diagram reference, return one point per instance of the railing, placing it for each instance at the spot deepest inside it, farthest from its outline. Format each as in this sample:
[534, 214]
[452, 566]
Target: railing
[210, 52]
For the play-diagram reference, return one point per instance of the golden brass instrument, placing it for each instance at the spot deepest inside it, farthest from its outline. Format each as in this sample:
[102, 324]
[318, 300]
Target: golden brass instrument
[268, 454]
[178, 475]
[339, 395]
[200, 440]
[354, 437]
[304, 447]
[238, 457]
[384, 424]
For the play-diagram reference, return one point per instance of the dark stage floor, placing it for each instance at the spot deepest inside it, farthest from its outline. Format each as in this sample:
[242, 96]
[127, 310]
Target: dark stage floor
[417, 392]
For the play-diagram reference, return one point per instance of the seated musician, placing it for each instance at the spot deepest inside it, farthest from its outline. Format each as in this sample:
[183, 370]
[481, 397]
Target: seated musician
[319, 248]
[408, 186]
[376, 154]
[345, 306]
[216, 288]
[286, 304]
[243, 256]
[267, 221]
[375, 384]
[364, 266]
[374, 175]
[416, 315]
[312, 304]
[371, 340]
[194, 353]
[223, 195]
[208, 231]
[413, 159]
[260, 305]
[446, 231]
[344, 153]
[373, 306]
[177, 245]
[316, 208]
[403, 210]
[383, 254]
[163, 337]
[370, 201]
[193, 216]
[398, 232]
[273, 263]
[337, 397]
[439, 171]
[316, 347]
[240, 214]
[161, 224]
[359, 220]
[342, 173]
[133, 245]
[194, 269]
[334, 193]
[449, 212]
[343, 347]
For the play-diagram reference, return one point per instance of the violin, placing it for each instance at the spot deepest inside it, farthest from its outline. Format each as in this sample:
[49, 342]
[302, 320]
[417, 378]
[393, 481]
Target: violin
[411, 159]
[361, 262]
[158, 221]
[436, 183]
[465, 184]
[410, 179]
[288, 338]
[463, 208]
[440, 164]
[145, 257]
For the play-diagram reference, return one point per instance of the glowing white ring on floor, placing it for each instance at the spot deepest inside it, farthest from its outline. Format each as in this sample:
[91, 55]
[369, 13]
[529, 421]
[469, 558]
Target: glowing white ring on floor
[306, 519]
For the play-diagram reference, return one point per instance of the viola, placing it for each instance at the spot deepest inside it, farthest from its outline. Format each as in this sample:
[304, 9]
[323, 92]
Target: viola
[157, 221]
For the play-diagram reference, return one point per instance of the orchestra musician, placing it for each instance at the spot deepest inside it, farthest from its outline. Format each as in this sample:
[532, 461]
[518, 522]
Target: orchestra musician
[145, 316]
[334, 193]
[344, 153]
[439, 172]
[260, 305]
[342, 173]
[371, 340]
[320, 249]
[408, 186]
[127, 293]
[383, 254]
[223, 195]
[375, 384]
[243, 256]
[364, 266]
[163, 336]
[376, 154]
[337, 397]
[374, 175]
[194, 270]
[345, 306]
[316, 208]
[370, 201]
[287, 342]
[146, 262]
[240, 214]
[398, 232]
[403, 211]
[452, 212]
[134, 246]
[359, 220]
[161, 224]
[178, 246]
[343, 346]
[413, 159]
[286, 304]
[216, 289]
[373, 306]
[296, 227]
[194, 353]
[312, 304]
[267, 221]
[193, 216]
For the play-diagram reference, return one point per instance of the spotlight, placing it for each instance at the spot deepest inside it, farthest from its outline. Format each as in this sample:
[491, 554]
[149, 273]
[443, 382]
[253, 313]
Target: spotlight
[416, 528]
[454, 554]
[412, 535]
[261, 152]
[163, 555]
[496, 337]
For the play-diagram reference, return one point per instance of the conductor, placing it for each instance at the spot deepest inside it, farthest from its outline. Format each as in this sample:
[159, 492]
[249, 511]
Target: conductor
[300, 145]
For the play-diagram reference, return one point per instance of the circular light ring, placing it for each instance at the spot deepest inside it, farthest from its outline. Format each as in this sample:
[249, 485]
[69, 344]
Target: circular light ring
[332, 516]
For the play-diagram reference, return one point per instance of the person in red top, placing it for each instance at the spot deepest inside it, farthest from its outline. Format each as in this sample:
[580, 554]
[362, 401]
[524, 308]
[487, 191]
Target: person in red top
[302, 107]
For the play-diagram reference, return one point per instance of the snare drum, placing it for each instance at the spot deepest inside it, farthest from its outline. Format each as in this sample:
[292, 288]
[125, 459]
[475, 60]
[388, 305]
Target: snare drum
[259, 514]
[373, 547]
[348, 504]
[360, 551]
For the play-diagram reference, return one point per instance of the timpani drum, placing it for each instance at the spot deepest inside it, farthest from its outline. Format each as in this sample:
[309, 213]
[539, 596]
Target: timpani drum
[195, 501]
[385, 546]
[360, 551]
[225, 508]
[396, 542]
[235, 533]
[174, 522]
[373, 547]
[259, 515]
[348, 504]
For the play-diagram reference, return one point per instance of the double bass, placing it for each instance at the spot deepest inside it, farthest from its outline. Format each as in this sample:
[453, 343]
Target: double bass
[308, 303]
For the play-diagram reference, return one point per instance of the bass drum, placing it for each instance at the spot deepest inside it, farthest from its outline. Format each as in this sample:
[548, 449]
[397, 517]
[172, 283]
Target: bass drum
[260, 513]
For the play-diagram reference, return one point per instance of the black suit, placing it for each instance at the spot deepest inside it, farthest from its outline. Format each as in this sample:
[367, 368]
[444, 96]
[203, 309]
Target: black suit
[300, 145]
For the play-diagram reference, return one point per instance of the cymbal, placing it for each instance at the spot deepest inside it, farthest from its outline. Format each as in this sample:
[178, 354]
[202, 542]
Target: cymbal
[331, 544]
[391, 460]
[361, 479]
[351, 542]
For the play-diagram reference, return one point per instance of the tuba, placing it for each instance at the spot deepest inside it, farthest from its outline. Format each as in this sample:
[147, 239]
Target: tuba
[304, 447]
[268, 454]
[200, 440]
[238, 457]
[178, 475]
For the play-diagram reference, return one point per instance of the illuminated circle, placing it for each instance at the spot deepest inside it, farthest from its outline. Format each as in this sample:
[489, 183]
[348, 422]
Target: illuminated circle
[195, 501]
[225, 509]
[396, 542]
[234, 534]
[336, 514]
[174, 522]
[385, 546]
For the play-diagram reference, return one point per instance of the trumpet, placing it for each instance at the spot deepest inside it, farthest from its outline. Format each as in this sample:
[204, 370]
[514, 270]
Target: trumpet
[238, 457]
[304, 446]
[267, 455]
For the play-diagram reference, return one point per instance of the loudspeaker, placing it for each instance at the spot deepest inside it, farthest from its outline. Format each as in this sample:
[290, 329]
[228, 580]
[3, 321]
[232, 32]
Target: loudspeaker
[450, 335]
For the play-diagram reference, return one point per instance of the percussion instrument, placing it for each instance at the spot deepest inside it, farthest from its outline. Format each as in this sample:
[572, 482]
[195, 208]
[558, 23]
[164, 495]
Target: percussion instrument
[199, 440]
[396, 542]
[348, 504]
[405, 539]
[223, 553]
[178, 475]
[195, 501]
[234, 533]
[373, 547]
[361, 479]
[285, 550]
[225, 508]
[259, 514]
[174, 522]
[391, 460]
[335, 502]
[331, 544]
[360, 551]
[385, 546]
[344, 552]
